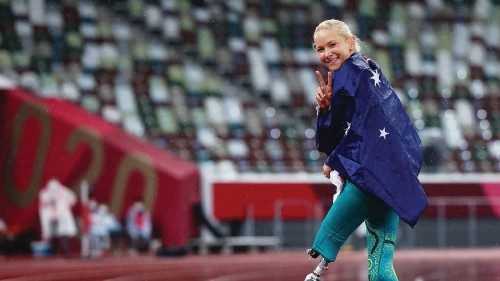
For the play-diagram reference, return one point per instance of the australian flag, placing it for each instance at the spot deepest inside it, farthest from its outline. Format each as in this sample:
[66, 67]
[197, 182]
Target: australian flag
[370, 140]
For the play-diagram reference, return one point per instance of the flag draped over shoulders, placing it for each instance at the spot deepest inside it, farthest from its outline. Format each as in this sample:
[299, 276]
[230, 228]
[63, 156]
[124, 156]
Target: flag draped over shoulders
[370, 140]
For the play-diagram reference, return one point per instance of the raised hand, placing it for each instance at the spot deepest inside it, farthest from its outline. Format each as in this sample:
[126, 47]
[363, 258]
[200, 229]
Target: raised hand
[324, 91]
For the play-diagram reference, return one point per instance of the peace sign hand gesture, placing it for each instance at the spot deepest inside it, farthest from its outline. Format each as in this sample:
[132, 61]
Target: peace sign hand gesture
[324, 91]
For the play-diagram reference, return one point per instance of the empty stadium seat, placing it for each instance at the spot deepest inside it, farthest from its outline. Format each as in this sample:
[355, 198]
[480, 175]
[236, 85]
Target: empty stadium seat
[231, 84]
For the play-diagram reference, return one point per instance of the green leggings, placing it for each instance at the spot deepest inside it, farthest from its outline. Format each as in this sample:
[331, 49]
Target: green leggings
[352, 207]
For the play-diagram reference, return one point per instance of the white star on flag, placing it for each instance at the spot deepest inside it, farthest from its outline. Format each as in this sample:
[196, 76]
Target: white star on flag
[383, 133]
[375, 77]
[348, 127]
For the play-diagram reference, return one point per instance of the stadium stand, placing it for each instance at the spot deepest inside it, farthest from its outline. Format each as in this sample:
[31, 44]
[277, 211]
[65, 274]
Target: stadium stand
[230, 84]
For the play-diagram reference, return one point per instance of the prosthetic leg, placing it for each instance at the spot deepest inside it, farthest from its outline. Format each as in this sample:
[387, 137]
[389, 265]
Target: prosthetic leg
[318, 271]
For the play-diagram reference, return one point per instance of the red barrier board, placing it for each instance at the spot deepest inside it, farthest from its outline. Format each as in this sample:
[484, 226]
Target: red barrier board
[231, 200]
[41, 139]
[297, 200]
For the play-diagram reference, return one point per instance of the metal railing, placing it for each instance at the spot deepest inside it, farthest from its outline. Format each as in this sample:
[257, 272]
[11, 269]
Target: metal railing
[472, 204]
[468, 204]
[314, 216]
[469, 215]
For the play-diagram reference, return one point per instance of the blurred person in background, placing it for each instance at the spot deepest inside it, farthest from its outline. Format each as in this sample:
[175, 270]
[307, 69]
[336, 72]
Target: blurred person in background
[112, 227]
[56, 217]
[99, 236]
[373, 151]
[105, 229]
[139, 226]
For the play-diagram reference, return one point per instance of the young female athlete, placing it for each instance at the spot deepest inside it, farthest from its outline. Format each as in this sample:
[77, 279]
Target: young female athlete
[372, 145]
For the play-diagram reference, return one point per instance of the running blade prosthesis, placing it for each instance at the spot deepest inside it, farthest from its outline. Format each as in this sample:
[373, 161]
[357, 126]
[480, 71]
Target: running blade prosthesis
[318, 271]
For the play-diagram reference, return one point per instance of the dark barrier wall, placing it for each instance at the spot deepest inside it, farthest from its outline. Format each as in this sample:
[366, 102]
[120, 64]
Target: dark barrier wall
[41, 139]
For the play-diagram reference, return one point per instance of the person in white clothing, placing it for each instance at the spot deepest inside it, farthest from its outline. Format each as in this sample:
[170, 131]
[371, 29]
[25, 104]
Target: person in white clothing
[103, 225]
[56, 217]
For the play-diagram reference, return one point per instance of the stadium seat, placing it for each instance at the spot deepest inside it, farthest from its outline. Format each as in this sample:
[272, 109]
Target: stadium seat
[231, 84]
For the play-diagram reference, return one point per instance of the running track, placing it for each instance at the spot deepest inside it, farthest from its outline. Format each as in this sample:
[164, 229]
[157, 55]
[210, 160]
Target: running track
[419, 265]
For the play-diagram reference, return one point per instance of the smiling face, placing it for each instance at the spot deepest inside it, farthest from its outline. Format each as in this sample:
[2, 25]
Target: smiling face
[333, 48]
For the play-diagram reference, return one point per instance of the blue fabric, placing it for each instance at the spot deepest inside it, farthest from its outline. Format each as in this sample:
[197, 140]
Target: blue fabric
[370, 140]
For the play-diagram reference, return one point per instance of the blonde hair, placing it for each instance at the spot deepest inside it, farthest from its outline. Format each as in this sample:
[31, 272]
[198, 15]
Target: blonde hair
[341, 28]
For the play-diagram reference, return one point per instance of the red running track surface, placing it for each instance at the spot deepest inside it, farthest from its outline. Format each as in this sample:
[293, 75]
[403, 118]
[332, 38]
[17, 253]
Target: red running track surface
[411, 265]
